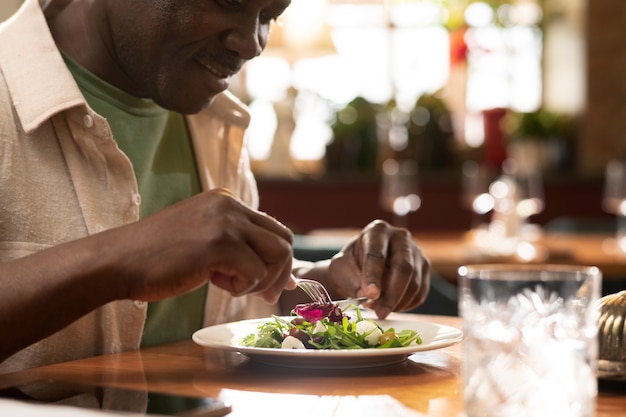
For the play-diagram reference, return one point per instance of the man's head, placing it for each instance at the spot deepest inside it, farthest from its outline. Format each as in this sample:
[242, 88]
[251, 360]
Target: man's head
[180, 53]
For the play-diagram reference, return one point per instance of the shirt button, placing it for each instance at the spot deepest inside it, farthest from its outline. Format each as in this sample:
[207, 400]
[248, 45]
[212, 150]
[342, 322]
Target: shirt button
[140, 304]
[136, 199]
[99, 228]
[88, 120]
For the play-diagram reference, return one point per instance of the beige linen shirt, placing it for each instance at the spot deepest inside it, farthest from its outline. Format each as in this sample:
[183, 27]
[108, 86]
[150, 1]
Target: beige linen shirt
[62, 177]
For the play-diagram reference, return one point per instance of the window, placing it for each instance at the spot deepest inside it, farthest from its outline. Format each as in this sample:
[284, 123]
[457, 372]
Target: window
[399, 49]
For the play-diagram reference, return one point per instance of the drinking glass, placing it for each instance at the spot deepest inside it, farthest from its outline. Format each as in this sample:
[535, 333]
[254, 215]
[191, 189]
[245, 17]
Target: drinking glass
[530, 339]
[400, 191]
[528, 183]
[614, 198]
[516, 194]
[531, 200]
[475, 196]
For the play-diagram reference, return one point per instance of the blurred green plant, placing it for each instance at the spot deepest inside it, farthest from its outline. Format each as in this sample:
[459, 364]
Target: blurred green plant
[354, 146]
[553, 132]
[539, 125]
[430, 133]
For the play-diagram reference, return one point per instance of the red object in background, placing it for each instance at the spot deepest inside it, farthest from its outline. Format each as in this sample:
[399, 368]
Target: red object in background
[495, 142]
[458, 47]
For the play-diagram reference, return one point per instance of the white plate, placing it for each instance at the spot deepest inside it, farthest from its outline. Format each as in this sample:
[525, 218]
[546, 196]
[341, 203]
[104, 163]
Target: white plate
[228, 337]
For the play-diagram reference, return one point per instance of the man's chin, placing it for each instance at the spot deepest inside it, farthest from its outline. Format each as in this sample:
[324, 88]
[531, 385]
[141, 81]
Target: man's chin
[190, 106]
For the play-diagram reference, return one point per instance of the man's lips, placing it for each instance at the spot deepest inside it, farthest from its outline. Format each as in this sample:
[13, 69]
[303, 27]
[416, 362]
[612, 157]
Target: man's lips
[219, 73]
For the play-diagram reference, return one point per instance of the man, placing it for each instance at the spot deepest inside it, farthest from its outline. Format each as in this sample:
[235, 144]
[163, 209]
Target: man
[125, 180]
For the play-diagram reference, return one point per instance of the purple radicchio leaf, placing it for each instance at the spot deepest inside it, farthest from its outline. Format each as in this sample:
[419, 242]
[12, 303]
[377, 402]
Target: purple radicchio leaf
[314, 312]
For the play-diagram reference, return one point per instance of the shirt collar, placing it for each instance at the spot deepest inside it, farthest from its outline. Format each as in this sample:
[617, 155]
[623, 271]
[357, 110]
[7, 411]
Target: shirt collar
[37, 78]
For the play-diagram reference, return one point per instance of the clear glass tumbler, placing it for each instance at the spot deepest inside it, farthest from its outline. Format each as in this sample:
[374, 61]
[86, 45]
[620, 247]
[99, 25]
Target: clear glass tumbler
[530, 344]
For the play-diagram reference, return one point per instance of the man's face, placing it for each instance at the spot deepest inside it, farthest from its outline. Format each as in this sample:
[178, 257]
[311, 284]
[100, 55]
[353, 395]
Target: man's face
[181, 53]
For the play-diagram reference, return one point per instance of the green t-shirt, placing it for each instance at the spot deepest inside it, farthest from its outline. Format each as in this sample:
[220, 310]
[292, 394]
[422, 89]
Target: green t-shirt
[157, 143]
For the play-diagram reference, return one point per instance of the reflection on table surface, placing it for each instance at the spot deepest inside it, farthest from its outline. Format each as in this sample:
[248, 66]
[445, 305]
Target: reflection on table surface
[427, 384]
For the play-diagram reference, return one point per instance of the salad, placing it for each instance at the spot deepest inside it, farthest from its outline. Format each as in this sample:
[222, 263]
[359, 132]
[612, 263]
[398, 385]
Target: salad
[326, 326]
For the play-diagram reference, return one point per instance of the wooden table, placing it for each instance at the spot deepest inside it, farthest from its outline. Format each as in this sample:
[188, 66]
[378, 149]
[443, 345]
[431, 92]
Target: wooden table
[448, 251]
[427, 384]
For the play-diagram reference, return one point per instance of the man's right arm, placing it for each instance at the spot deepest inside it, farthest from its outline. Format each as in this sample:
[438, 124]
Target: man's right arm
[209, 237]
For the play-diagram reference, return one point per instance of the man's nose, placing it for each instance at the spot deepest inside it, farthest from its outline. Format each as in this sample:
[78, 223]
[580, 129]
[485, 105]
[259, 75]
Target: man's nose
[248, 39]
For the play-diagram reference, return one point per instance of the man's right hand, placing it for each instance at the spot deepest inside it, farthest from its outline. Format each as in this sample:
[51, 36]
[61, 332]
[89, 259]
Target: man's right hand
[211, 236]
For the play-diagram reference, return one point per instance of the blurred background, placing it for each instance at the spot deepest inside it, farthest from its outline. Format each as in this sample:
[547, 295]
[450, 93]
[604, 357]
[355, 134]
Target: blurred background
[460, 89]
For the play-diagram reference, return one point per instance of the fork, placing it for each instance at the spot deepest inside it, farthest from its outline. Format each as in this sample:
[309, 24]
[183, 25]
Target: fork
[315, 290]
